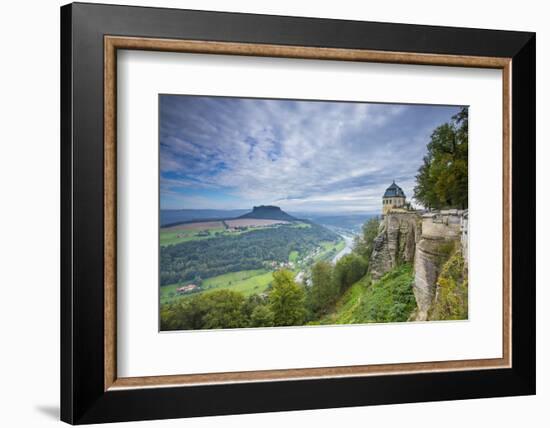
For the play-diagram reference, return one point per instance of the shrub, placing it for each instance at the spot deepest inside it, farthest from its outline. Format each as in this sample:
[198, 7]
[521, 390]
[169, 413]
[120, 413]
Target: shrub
[451, 300]
[391, 299]
[348, 270]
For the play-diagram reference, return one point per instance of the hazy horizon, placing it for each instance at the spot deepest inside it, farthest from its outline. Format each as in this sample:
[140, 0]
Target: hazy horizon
[302, 156]
[289, 211]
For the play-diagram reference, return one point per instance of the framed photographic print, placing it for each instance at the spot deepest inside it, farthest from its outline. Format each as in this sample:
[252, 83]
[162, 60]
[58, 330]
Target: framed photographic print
[266, 213]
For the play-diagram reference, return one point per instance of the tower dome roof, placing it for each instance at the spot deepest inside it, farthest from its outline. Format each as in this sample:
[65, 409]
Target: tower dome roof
[394, 191]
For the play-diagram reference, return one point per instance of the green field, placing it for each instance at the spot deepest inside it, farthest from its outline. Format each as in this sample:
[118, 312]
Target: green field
[340, 246]
[293, 256]
[247, 282]
[334, 246]
[330, 249]
[168, 293]
[171, 237]
[300, 225]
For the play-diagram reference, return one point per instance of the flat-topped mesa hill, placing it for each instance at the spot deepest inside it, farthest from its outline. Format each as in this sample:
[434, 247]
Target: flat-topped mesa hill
[268, 212]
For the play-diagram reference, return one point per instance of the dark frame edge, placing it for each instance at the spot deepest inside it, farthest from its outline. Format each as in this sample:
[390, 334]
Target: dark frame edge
[524, 219]
[82, 398]
[66, 130]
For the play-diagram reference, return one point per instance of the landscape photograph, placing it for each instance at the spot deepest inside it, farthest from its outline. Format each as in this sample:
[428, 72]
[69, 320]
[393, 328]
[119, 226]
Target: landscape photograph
[291, 213]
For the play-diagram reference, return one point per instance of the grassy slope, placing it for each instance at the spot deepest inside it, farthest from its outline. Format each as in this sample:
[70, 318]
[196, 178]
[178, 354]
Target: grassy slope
[389, 300]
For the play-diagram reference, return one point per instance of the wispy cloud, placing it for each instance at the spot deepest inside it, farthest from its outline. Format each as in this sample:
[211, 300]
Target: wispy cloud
[301, 155]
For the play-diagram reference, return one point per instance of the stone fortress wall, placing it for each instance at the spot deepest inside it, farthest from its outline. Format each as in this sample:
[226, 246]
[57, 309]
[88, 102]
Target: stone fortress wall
[425, 239]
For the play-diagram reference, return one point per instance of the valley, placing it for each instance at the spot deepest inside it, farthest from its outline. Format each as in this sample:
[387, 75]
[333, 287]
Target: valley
[241, 254]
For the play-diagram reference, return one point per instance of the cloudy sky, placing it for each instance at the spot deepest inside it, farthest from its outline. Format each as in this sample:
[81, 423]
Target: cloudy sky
[227, 153]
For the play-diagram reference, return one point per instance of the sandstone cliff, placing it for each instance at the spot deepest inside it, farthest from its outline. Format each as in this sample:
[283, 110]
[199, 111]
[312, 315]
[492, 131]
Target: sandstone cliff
[395, 243]
[428, 242]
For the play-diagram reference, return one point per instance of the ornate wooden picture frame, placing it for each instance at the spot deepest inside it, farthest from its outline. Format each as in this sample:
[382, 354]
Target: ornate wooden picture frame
[91, 389]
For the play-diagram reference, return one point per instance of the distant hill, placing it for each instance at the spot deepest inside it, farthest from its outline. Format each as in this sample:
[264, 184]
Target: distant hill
[268, 212]
[168, 217]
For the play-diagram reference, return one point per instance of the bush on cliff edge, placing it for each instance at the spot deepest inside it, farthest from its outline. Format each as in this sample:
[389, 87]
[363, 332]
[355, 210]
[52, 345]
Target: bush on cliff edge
[451, 300]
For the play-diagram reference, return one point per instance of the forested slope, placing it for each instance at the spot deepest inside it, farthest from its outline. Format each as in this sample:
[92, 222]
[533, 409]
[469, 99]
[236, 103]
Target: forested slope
[188, 261]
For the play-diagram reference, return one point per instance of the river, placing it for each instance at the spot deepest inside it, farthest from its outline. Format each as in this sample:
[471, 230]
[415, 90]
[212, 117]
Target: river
[346, 250]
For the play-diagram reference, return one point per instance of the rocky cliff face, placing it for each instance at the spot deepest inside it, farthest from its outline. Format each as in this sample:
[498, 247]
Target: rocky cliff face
[428, 242]
[442, 237]
[395, 243]
[431, 253]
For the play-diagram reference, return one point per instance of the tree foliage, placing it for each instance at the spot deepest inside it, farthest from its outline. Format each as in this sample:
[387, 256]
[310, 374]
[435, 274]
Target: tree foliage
[201, 259]
[261, 316]
[364, 243]
[330, 282]
[451, 301]
[323, 291]
[216, 309]
[224, 310]
[286, 300]
[348, 270]
[212, 310]
[442, 180]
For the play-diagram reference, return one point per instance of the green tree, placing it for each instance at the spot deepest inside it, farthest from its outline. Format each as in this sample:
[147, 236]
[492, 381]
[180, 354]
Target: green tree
[223, 309]
[215, 309]
[323, 291]
[261, 317]
[186, 314]
[364, 243]
[167, 318]
[250, 303]
[348, 270]
[442, 180]
[286, 300]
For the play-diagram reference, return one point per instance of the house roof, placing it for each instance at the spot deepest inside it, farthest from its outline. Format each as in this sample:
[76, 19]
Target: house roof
[394, 191]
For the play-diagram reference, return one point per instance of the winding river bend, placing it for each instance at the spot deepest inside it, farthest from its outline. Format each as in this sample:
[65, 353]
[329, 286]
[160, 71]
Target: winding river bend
[346, 250]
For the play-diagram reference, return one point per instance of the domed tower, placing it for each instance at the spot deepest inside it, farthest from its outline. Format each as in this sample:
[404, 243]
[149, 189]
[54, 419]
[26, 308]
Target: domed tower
[394, 197]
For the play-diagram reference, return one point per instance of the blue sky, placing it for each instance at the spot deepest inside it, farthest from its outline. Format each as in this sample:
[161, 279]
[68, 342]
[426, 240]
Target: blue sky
[315, 156]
